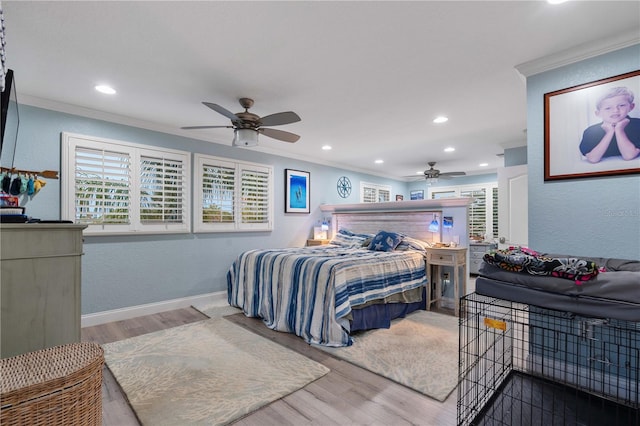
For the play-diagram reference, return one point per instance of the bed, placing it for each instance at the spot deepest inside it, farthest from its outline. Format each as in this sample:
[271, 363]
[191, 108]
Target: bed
[592, 287]
[361, 280]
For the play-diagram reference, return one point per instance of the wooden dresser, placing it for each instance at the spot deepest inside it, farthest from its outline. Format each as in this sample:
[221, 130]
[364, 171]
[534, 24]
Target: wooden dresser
[39, 286]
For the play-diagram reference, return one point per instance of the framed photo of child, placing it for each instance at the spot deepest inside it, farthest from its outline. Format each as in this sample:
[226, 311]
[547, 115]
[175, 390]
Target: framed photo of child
[593, 129]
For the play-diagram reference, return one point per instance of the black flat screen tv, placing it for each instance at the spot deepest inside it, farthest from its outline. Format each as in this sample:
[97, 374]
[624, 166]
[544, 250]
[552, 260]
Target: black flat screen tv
[9, 121]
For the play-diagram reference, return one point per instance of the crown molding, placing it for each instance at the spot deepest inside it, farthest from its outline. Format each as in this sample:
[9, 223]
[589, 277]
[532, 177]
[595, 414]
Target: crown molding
[148, 125]
[578, 53]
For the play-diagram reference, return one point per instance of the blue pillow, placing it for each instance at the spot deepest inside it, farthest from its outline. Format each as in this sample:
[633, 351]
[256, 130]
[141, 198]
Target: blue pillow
[385, 241]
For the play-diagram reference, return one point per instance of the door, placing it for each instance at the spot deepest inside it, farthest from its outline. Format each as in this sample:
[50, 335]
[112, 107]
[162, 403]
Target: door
[513, 206]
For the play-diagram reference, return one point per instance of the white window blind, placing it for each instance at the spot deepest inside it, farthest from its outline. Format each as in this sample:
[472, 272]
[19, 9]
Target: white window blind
[218, 194]
[232, 195]
[161, 190]
[255, 197]
[117, 187]
[477, 217]
[495, 212]
[374, 193]
[482, 213]
[102, 182]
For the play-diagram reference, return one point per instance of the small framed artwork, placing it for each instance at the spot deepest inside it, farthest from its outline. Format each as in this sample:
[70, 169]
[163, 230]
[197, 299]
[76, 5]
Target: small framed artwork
[417, 195]
[593, 130]
[399, 197]
[297, 191]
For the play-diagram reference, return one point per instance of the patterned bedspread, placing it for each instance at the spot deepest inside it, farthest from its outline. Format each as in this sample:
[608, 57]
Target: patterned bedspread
[307, 291]
[525, 260]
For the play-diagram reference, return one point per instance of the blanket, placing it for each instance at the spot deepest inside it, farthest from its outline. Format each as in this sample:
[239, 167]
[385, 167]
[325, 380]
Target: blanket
[525, 260]
[311, 291]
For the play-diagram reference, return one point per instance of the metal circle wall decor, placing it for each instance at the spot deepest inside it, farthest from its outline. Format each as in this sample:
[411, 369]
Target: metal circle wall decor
[344, 187]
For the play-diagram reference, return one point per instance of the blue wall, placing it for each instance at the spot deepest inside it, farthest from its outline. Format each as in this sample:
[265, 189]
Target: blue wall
[125, 271]
[587, 217]
[515, 156]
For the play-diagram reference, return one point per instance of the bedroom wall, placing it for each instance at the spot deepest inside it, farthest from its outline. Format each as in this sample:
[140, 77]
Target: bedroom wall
[587, 217]
[131, 270]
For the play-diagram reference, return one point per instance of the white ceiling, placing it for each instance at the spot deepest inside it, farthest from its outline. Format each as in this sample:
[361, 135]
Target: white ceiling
[365, 77]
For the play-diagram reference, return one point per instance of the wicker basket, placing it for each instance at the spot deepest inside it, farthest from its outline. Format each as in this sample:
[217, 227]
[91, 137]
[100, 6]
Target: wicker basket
[56, 386]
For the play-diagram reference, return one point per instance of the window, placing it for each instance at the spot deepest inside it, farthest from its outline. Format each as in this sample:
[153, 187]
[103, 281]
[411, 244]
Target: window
[482, 213]
[232, 195]
[117, 187]
[477, 212]
[373, 193]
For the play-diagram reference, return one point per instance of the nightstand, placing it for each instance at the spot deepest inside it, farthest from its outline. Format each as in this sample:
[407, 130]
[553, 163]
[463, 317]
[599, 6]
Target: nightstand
[476, 253]
[456, 257]
[317, 242]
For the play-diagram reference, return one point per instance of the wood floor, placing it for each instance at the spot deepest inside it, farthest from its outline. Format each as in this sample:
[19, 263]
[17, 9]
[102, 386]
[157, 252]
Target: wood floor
[347, 395]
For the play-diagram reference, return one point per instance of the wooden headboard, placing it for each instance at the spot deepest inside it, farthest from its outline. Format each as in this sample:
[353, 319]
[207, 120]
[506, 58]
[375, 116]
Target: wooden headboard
[411, 223]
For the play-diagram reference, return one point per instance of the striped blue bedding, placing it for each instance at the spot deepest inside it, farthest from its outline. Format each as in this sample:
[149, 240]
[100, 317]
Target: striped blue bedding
[309, 291]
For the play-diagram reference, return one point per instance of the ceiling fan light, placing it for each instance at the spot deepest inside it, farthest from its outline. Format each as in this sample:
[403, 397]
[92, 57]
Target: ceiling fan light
[245, 137]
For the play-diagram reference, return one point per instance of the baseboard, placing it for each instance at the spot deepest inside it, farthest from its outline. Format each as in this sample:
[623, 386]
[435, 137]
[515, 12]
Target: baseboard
[104, 317]
[618, 388]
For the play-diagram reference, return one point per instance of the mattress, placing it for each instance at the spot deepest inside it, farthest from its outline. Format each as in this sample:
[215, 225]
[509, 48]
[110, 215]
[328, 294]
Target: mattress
[614, 293]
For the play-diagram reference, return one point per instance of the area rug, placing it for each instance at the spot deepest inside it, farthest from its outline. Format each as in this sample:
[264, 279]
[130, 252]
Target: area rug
[419, 351]
[208, 372]
[216, 310]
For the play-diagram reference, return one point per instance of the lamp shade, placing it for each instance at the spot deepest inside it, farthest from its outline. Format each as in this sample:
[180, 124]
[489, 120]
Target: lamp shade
[434, 226]
[245, 137]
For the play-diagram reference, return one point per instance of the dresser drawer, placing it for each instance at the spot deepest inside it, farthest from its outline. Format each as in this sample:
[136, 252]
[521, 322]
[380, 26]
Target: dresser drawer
[477, 254]
[442, 258]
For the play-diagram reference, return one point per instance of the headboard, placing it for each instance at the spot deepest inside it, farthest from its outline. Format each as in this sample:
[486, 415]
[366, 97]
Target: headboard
[411, 223]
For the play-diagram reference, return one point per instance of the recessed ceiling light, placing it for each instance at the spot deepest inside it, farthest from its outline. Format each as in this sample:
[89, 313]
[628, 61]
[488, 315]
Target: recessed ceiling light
[449, 149]
[326, 147]
[556, 1]
[107, 90]
[440, 119]
[483, 164]
[379, 161]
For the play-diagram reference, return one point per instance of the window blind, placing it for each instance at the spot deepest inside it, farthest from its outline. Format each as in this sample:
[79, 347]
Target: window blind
[218, 194]
[117, 187]
[102, 186]
[233, 196]
[161, 190]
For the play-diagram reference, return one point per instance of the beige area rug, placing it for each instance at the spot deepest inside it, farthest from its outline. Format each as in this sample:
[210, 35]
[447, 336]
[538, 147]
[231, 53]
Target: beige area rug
[419, 351]
[208, 372]
[216, 310]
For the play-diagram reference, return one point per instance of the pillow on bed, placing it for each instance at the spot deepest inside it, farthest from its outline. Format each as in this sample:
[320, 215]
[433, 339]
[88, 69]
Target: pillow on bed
[385, 241]
[348, 239]
[353, 234]
[409, 243]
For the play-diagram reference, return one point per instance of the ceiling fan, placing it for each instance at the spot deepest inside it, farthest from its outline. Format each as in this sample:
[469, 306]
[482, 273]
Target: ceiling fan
[247, 125]
[432, 175]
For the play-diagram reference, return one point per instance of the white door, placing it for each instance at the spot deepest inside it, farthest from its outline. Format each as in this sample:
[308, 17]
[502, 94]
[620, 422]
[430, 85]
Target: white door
[513, 206]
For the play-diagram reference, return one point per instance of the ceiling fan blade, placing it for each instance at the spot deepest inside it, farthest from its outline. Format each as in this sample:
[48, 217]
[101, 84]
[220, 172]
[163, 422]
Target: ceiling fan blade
[206, 127]
[449, 174]
[280, 135]
[221, 110]
[279, 119]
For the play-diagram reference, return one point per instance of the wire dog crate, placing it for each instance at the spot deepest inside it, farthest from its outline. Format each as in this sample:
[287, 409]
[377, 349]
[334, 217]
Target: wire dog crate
[525, 365]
